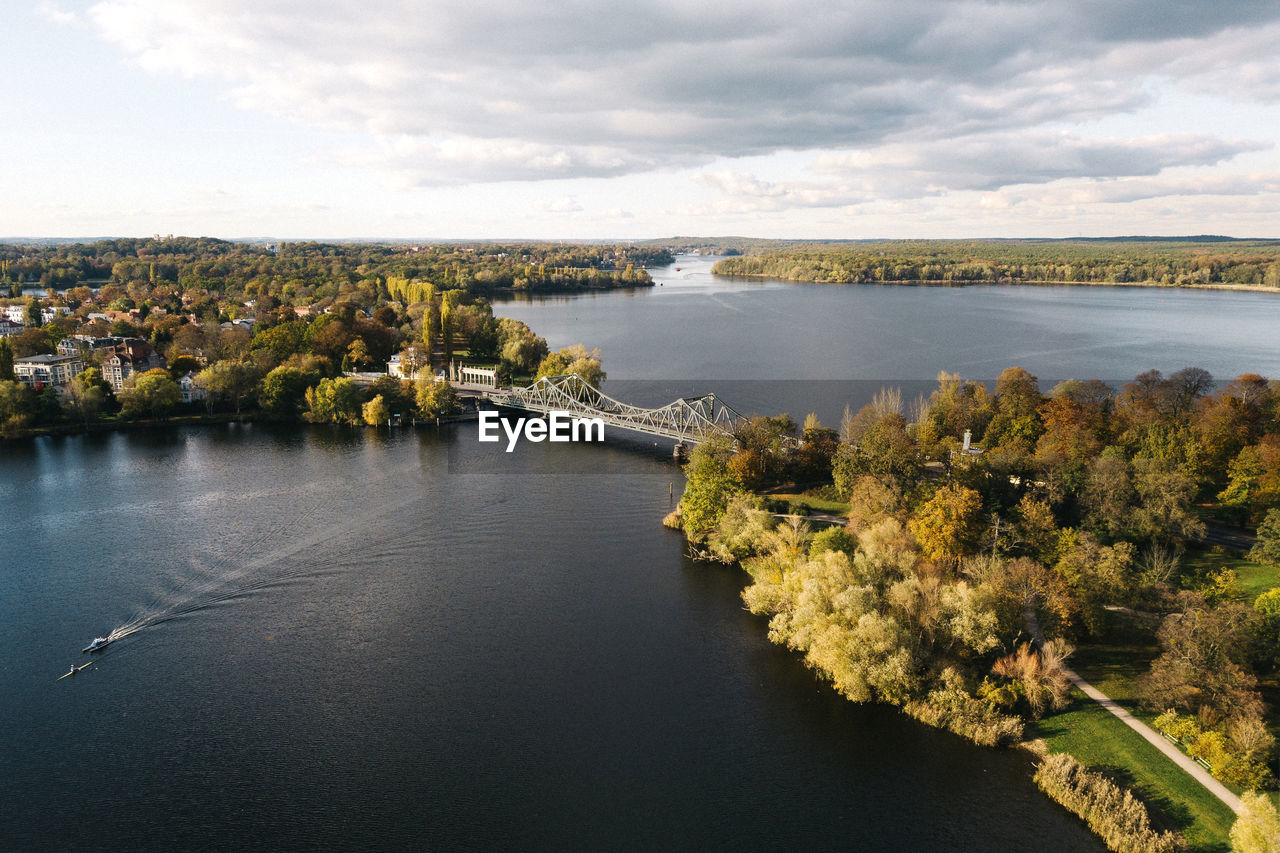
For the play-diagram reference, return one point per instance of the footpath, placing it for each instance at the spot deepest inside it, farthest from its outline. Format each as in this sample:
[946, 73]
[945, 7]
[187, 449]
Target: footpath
[1174, 754]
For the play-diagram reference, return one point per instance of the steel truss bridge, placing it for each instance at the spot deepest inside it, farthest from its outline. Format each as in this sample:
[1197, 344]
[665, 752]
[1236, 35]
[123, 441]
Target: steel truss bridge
[689, 420]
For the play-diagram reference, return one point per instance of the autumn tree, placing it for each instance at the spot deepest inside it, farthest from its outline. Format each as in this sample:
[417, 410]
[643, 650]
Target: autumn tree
[950, 523]
[575, 359]
[436, 398]
[1205, 660]
[1257, 829]
[376, 412]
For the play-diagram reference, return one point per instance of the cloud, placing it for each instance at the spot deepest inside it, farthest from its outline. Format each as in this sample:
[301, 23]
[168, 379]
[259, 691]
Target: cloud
[985, 163]
[448, 91]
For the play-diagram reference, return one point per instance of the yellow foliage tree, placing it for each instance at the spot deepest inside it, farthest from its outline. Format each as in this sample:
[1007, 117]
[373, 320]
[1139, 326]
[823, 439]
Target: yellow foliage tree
[950, 523]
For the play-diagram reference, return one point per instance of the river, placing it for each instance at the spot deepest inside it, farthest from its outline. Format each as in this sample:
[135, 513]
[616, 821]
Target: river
[351, 639]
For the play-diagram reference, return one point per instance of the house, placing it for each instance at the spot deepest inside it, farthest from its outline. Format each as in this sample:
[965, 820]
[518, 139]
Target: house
[15, 313]
[9, 328]
[191, 390]
[133, 356]
[86, 344]
[39, 371]
[405, 365]
[48, 315]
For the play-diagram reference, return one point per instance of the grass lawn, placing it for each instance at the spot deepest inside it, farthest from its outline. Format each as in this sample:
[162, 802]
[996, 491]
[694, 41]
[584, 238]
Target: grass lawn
[1255, 578]
[1115, 670]
[1099, 740]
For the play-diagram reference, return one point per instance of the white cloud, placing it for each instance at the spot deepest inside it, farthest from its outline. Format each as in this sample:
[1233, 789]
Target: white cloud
[896, 103]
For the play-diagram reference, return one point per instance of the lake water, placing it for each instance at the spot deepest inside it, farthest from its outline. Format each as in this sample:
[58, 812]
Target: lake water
[355, 640]
[771, 346]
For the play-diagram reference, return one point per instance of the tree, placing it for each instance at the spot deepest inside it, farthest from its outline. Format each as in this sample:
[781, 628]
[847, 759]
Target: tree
[6, 361]
[1254, 474]
[282, 394]
[881, 449]
[1109, 496]
[335, 401]
[232, 381]
[153, 392]
[1039, 676]
[1257, 829]
[576, 359]
[949, 524]
[436, 398]
[1267, 548]
[1205, 660]
[376, 412]
[710, 484]
[1017, 404]
[17, 407]
[87, 394]
[519, 346]
[1165, 493]
[357, 356]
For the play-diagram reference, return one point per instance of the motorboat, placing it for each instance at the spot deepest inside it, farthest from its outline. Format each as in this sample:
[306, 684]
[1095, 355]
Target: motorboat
[98, 644]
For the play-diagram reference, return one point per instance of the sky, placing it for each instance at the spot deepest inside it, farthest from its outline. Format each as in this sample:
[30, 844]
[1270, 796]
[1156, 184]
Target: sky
[630, 119]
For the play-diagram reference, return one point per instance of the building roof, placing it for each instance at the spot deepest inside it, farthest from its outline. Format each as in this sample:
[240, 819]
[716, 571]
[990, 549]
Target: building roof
[43, 358]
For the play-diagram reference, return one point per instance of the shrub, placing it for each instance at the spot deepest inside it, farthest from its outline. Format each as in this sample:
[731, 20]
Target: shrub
[1113, 814]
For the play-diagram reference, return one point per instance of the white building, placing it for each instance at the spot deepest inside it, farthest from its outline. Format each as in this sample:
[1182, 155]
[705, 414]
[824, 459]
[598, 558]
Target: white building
[191, 390]
[39, 371]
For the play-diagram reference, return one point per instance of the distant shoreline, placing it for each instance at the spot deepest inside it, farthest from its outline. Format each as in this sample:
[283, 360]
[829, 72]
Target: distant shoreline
[1155, 285]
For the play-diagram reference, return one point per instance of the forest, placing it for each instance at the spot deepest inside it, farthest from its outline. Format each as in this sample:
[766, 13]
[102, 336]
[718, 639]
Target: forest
[1135, 261]
[306, 272]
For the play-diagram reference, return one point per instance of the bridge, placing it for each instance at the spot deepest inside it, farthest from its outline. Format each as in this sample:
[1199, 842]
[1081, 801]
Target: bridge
[688, 420]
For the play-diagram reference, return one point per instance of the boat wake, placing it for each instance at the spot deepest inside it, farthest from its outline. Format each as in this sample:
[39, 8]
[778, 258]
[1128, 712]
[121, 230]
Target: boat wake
[211, 582]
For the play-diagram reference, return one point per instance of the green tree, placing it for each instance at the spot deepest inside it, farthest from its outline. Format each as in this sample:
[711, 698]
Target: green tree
[152, 393]
[882, 450]
[230, 381]
[87, 395]
[6, 361]
[519, 346]
[282, 393]
[1267, 548]
[709, 487]
[17, 407]
[335, 401]
[436, 398]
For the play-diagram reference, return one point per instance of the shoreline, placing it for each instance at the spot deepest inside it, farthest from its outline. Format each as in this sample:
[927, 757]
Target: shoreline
[1154, 285]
